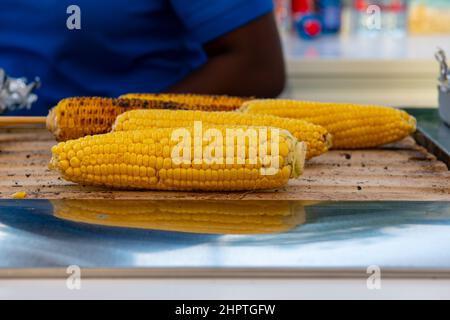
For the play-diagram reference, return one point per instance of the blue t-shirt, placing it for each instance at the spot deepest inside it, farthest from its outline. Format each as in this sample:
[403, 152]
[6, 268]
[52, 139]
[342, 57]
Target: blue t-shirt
[122, 46]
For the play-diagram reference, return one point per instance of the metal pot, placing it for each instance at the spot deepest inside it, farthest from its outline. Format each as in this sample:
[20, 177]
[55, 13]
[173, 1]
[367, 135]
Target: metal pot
[444, 87]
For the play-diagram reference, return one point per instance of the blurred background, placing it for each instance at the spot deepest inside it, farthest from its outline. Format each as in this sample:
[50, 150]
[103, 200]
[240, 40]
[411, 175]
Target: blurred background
[364, 51]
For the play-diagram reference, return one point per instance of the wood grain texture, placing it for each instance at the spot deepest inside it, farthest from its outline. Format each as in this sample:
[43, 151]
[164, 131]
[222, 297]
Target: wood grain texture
[402, 171]
[13, 121]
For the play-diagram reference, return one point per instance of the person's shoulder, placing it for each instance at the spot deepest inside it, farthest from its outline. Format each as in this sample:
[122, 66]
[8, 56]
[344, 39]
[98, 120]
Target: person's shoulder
[207, 20]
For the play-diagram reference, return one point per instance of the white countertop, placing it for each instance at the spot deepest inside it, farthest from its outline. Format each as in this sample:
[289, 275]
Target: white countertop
[380, 48]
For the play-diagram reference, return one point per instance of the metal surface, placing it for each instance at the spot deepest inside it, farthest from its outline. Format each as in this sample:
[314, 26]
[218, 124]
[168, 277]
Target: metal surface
[443, 74]
[432, 133]
[344, 235]
[444, 104]
[444, 86]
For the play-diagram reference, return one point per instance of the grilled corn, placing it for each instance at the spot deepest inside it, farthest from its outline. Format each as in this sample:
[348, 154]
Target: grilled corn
[194, 101]
[77, 117]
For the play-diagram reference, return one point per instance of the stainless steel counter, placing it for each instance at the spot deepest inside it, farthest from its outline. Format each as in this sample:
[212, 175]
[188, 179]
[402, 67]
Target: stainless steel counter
[412, 236]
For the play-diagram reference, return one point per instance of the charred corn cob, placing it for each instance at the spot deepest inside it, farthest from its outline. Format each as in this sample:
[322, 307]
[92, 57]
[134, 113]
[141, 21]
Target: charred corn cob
[194, 101]
[77, 117]
[352, 126]
[177, 159]
[316, 137]
[209, 217]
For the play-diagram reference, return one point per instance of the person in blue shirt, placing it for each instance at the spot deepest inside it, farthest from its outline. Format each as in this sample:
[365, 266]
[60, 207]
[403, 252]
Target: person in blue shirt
[111, 47]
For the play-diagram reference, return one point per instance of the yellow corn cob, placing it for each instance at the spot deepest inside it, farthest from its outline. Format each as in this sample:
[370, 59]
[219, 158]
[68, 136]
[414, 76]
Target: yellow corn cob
[145, 160]
[352, 126]
[209, 217]
[77, 117]
[194, 101]
[316, 137]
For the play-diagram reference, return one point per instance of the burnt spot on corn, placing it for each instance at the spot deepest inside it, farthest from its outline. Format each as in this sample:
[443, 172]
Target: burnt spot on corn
[80, 116]
[194, 101]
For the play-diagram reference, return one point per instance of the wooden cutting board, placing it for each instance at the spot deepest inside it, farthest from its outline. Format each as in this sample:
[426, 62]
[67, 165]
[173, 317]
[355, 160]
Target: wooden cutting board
[402, 171]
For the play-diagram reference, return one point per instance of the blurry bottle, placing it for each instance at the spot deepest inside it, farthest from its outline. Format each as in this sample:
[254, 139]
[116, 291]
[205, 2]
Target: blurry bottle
[372, 17]
[366, 17]
[306, 21]
[394, 17]
[330, 12]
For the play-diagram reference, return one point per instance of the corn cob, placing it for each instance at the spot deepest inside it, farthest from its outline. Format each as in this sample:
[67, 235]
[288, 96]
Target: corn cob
[145, 160]
[208, 217]
[77, 117]
[316, 137]
[194, 101]
[352, 126]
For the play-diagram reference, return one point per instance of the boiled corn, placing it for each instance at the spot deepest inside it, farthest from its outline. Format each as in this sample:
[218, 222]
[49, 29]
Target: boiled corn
[316, 137]
[352, 126]
[145, 160]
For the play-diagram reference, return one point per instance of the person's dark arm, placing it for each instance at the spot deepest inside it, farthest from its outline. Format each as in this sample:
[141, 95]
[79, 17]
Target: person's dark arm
[245, 62]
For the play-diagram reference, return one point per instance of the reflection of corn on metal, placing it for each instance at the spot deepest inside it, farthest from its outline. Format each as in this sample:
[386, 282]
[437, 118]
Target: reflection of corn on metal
[352, 126]
[316, 137]
[77, 117]
[144, 160]
[211, 217]
[193, 101]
